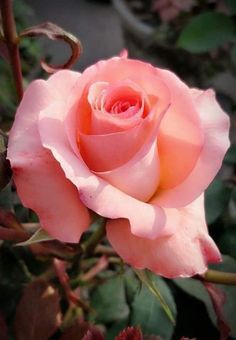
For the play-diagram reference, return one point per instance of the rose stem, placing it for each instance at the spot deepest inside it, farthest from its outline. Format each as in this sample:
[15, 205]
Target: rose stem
[101, 265]
[215, 276]
[11, 40]
[89, 245]
[105, 250]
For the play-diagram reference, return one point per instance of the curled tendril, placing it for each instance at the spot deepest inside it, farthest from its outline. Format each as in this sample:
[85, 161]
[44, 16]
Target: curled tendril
[55, 32]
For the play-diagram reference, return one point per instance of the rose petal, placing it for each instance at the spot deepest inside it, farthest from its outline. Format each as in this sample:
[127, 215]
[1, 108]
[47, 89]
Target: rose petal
[107, 152]
[63, 82]
[181, 138]
[180, 126]
[100, 97]
[139, 177]
[100, 151]
[112, 70]
[183, 254]
[146, 220]
[215, 125]
[40, 182]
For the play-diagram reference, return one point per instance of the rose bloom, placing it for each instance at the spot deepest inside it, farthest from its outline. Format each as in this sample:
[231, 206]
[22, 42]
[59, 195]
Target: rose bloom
[132, 143]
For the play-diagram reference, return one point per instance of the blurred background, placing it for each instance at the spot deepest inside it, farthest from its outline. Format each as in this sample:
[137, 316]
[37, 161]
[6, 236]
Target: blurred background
[94, 22]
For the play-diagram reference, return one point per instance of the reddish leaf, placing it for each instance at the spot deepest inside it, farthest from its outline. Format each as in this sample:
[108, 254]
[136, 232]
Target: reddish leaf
[3, 329]
[218, 300]
[60, 268]
[97, 268]
[38, 313]
[53, 249]
[8, 219]
[82, 331]
[55, 32]
[130, 333]
[93, 335]
[12, 235]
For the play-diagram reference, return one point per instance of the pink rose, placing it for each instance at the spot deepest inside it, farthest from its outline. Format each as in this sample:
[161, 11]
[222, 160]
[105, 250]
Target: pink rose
[132, 143]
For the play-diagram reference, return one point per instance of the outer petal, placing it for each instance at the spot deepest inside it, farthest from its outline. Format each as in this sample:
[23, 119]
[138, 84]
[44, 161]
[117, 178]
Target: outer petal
[51, 196]
[146, 220]
[183, 254]
[215, 124]
[181, 138]
[62, 82]
[40, 182]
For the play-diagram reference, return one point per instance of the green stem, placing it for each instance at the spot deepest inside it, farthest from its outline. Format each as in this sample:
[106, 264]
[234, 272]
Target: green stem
[105, 250]
[216, 276]
[12, 41]
[89, 245]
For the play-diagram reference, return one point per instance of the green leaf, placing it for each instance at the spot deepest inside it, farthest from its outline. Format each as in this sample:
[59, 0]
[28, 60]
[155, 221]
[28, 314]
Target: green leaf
[196, 289]
[228, 265]
[233, 54]
[231, 4]
[206, 31]
[13, 276]
[109, 301]
[150, 282]
[39, 236]
[230, 156]
[132, 285]
[147, 311]
[217, 197]
[115, 329]
[6, 198]
[227, 242]
[232, 207]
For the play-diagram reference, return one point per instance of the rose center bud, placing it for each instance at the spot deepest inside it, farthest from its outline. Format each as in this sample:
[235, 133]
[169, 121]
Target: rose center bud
[116, 107]
[120, 107]
[123, 103]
